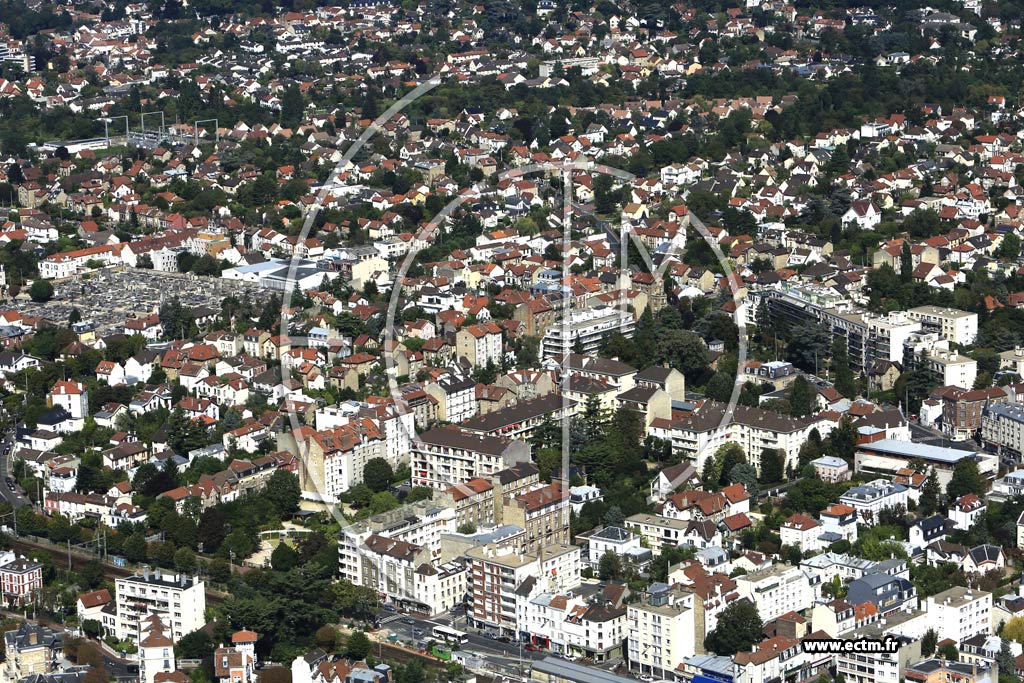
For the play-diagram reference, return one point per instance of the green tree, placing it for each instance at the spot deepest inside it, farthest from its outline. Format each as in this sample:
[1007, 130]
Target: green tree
[930, 491]
[283, 559]
[739, 629]
[283, 492]
[928, 642]
[610, 567]
[291, 108]
[801, 397]
[184, 560]
[326, 638]
[906, 263]
[40, 291]
[948, 652]
[1009, 248]
[134, 547]
[378, 474]
[728, 456]
[744, 473]
[966, 479]
[1006, 661]
[357, 646]
[842, 373]
[772, 465]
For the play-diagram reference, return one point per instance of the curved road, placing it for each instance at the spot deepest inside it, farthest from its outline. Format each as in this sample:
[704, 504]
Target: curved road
[16, 498]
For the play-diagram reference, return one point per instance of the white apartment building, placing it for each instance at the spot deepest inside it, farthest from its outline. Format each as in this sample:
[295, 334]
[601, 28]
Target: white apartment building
[179, 601]
[839, 523]
[72, 397]
[568, 624]
[616, 540]
[398, 554]
[871, 498]
[887, 334]
[396, 426]
[956, 326]
[827, 566]
[156, 650]
[420, 524]
[698, 436]
[952, 368]
[440, 587]
[959, 613]
[885, 667]
[456, 398]
[665, 628]
[802, 531]
[589, 327]
[776, 590]
[446, 456]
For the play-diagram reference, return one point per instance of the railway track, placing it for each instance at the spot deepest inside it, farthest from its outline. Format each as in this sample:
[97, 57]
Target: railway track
[78, 559]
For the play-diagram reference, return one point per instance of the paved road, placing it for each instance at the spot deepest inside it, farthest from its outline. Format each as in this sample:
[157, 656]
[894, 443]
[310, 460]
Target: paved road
[932, 437]
[16, 498]
[495, 651]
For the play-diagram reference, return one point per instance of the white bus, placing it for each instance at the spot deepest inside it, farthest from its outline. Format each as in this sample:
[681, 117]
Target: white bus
[450, 635]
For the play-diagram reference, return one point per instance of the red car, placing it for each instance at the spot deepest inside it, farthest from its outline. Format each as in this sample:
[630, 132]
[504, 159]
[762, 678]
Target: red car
[531, 648]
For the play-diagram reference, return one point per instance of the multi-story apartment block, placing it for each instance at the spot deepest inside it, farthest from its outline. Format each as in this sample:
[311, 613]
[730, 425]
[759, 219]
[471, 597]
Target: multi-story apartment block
[520, 419]
[585, 329]
[699, 435]
[958, 327]
[570, 625]
[179, 601]
[449, 456]
[1002, 429]
[543, 512]
[481, 344]
[335, 458]
[665, 628]
[497, 573]
[455, 396]
[962, 409]
[959, 613]
[155, 650]
[473, 502]
[776, 590]
[877, 667]
[951, 368]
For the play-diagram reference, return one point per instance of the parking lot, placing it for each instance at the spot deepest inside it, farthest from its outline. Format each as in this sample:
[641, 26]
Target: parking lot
[109, 296]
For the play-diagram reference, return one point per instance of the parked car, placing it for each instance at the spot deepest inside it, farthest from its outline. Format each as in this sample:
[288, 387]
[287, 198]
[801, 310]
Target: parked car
[530, 648]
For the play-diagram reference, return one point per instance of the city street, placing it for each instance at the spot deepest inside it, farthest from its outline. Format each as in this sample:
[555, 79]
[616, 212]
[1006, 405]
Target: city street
[499, 656]
[935, 438]
[16, 498]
